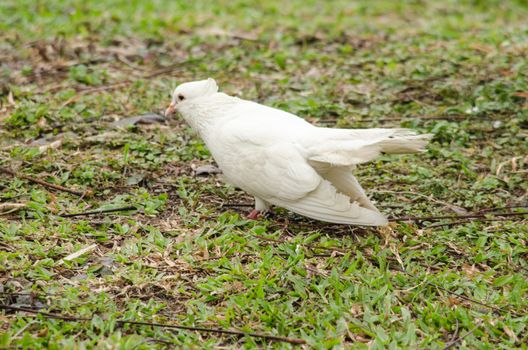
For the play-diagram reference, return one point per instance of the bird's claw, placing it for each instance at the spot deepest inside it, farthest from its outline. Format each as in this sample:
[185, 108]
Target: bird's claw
[254, 215]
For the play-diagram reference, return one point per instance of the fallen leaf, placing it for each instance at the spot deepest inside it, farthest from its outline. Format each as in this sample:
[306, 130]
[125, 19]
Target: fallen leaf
[482, 48]
[135, 178]
[149, 118]
[453, 301]
[455, 248]
[106, 265]
[470, 270]
[42, 333]
[356, 309]
[206, 170]
[11, 99]
[510, 333]
[456, 209]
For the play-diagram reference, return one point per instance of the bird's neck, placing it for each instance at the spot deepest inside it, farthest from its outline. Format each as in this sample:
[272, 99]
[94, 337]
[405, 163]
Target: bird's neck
[202, 114]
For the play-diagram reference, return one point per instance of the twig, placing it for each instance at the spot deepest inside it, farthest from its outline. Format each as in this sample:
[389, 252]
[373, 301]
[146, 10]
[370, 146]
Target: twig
[80, 252]
[235, 205]
[219, 331]
[160, 325]
[80, 199]
[8, 208]
[456, 331]
[453, 217]
[460, 222]
[45, 314]
[41, 182]
[160, 341]
[458, 340]
[100, 211]
[35, 294]
[486, 210]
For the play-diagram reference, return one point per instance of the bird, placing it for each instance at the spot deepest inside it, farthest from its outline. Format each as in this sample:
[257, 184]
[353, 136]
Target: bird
[283, 160]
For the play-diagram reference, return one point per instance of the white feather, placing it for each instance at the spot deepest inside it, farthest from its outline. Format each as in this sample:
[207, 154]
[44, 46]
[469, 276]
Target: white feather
[283, 160]
[326, 204]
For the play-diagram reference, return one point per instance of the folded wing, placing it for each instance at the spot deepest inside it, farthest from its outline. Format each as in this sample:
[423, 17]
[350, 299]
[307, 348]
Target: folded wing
[283, 177]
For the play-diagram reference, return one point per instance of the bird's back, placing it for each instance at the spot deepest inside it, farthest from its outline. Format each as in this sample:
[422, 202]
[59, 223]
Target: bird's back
[268, 123]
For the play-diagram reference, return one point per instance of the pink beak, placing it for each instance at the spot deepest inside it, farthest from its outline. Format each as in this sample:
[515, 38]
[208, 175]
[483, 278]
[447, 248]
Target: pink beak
[170, 109]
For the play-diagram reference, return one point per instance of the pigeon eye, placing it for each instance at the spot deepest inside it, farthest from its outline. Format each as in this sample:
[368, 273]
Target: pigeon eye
[181, 98]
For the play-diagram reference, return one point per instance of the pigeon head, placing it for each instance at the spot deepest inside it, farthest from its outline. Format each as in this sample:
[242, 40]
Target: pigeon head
[189, 91]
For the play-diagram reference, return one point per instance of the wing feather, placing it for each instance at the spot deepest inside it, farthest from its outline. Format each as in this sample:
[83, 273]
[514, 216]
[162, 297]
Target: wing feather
[326, 204]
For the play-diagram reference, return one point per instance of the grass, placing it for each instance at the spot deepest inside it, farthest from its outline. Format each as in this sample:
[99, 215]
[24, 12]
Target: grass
[186, 255]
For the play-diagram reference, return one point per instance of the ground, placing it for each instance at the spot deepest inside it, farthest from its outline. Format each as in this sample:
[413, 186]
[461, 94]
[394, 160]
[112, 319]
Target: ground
[183, 253]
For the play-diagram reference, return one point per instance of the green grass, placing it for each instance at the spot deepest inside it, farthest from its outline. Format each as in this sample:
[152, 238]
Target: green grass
[69, 69]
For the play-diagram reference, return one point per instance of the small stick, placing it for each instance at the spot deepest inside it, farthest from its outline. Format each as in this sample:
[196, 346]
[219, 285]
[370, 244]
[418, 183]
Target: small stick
[458, 340]
[485, 210]
[455, 335]
[219, 331]
[170, 326]
[41, 182]
[35, 294]
[7, 208]
[234, 205]
[99, 211]
[80, 252]
[45, 314]
[453, 217]
[465, 221]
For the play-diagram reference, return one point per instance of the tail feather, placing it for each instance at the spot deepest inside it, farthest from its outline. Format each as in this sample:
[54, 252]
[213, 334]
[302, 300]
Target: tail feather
[401, 143]
[348, 147]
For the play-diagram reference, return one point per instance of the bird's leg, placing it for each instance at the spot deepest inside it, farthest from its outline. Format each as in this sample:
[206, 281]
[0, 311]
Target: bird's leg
[261, 206]
[254, 215]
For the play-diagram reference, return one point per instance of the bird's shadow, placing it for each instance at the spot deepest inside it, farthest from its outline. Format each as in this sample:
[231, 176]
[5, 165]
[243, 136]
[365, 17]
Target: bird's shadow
[292, 225]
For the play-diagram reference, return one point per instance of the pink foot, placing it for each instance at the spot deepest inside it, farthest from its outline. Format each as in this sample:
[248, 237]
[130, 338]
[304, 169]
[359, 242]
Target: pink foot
[254, 215]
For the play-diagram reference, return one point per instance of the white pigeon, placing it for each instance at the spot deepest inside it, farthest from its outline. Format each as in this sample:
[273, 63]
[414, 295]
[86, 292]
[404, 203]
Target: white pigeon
[283, 160]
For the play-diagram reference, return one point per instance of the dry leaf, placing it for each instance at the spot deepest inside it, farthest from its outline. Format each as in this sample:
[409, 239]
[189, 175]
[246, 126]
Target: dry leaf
[483, 48]
[356, 310]
[206, 170]
[456, 209]
[11, 99]
[149, 118]
[470, 270]
[510, 333]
